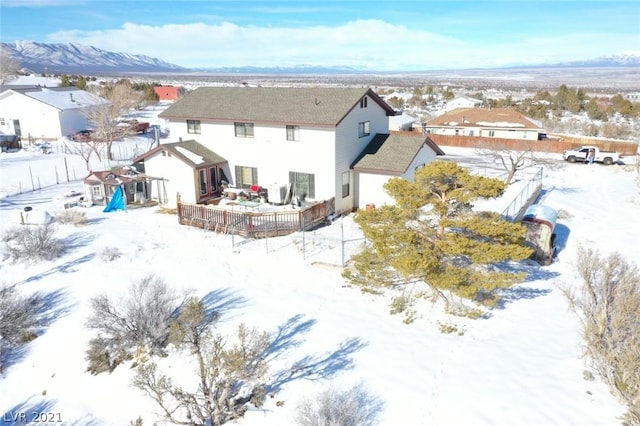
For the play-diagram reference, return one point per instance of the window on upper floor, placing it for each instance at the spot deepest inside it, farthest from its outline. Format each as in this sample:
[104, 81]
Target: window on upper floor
[303, 184]
[363, 102]
[293, 133]
[2, 122]
[243, 130]
[364, 129]
[246, 176]
[346, 182]
[193, 126]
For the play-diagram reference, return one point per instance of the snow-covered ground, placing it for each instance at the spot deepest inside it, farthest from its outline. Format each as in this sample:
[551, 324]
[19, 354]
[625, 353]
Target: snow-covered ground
[521, 366]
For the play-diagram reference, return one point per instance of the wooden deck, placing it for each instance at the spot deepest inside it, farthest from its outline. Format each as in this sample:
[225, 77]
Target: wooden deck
[251, 224]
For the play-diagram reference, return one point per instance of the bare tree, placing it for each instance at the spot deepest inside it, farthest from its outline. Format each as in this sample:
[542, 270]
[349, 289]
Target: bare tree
[9, 66]
[228, 376]
[513, 160]
[85, 149]
[121, 98]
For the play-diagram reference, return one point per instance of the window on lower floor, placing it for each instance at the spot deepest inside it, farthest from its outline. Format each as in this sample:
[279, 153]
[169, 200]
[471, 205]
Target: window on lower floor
[293, 133]
[193, 126]
[303, 184]
[346, 181]
[202, 178]
[364, 129]
[243, 130]
[492, 133]
[246, 176]
[96, 190]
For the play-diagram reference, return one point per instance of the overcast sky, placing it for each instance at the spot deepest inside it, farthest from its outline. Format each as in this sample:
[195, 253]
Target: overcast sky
[379, 35]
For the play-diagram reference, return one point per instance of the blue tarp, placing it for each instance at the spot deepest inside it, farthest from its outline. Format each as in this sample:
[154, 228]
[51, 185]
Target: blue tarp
[116, 202]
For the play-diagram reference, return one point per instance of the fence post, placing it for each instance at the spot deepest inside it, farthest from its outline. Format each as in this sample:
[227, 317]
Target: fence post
[33, 187]
[66, 168]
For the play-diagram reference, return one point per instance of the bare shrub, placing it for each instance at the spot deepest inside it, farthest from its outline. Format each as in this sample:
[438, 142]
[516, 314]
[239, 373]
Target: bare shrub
[229, 376]
[18, 318]
[332, 407]
[141, 318]
[73, 217]
[33, 243]
[608, 306]
[109, 254]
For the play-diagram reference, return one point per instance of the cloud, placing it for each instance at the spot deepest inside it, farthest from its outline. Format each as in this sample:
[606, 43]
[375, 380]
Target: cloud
[369, 44]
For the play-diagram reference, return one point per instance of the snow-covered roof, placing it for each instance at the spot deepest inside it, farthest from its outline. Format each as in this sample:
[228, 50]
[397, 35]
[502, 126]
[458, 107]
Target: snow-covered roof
[63, 98]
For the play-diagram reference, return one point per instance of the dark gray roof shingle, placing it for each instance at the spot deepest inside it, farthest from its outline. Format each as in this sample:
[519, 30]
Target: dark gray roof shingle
[322, 106]
[392, 154]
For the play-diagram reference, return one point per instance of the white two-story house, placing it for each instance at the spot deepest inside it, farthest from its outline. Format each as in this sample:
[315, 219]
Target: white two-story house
[275, 137]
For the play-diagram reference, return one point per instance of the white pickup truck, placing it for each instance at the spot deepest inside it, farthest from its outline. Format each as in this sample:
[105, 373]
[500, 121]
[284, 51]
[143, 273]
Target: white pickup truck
[581, 154]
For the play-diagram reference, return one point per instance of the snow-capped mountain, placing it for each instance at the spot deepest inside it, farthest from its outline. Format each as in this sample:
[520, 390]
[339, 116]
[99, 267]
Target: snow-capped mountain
[77, 58]
[626, 59]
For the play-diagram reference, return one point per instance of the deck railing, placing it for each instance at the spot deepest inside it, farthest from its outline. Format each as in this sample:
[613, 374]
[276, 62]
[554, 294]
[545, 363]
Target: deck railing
[524, 198]
[248, 223]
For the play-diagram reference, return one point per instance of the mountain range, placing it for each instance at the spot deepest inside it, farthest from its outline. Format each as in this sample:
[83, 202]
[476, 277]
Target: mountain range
[82, 59]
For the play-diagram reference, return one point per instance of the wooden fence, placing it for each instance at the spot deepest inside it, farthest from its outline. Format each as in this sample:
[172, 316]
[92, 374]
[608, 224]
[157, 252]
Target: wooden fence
[547, 145]
[248, 223]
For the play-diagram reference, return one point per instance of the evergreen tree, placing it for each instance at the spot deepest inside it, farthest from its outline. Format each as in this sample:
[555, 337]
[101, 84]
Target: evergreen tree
[433, 235]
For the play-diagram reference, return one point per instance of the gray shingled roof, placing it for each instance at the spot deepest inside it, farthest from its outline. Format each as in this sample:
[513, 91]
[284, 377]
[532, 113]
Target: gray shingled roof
[391, 154]
[209, 157]
[322, 106]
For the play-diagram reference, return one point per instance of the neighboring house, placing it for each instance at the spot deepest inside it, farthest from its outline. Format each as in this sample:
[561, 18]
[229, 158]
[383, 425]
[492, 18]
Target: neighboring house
[402, 122]
[306, 139]
[491, 123]
[389, 156]
[137, 187]
[463, 102]
[169, 93]
[187, 168]
[45, 113]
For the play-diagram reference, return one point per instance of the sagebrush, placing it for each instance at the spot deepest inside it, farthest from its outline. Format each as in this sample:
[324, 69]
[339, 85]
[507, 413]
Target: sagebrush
[139, 318]
[608, 305]
[33, 243]
[73, 217]
[18, 318]
[332, 407]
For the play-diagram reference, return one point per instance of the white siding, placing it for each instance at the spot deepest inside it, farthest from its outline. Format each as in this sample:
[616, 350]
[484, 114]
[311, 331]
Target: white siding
[525, 134]
[349, 146]
[179, 178]
[371, 189]
[271, 153]
[36, 118]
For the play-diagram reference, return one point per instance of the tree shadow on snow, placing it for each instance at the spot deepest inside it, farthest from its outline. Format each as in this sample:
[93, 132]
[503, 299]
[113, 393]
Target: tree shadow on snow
[48, 308]
[287, 336]
[535, 272]
[222, 301]
[77, 240]
[318, 366]
[66, 267]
